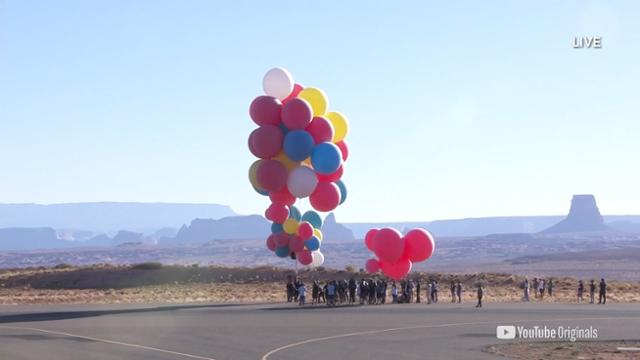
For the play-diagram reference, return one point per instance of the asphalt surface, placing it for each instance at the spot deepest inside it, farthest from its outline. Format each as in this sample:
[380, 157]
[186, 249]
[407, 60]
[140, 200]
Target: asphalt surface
[221, 332]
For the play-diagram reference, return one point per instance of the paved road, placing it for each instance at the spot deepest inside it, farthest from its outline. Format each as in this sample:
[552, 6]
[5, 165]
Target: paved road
[255, 332]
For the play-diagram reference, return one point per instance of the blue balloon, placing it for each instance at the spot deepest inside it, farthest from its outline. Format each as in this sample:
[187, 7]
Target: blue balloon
[294, 213]
[282, 251]
[312, 244]
[313, 218]
[276, 228]
[298, 145]
[343, 191]
[326, 158]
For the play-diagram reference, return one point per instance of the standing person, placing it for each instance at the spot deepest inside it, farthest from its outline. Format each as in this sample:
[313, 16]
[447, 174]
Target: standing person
[322, 297]
[452, 287]
[372, 292]
[382, 292]
[364, 291]
[603, 292]
[290, 291]
[410, 288]
[580, 291]
[331, 293]
[352, 290]
[296, 286]
[480, 295]
[418, 291]
[525, 286]
[535, 287]
[550, 287]
[592, 291]
[459, 291]
[394, 293]
[435, 291]
[302, 291]
[429, 291]
[315, 292]
[541, 288]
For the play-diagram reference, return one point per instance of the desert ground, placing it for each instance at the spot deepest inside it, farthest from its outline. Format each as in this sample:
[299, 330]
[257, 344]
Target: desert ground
[156, 283]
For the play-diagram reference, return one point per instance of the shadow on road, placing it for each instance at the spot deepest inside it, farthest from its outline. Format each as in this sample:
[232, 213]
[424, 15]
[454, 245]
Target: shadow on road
[64, 315]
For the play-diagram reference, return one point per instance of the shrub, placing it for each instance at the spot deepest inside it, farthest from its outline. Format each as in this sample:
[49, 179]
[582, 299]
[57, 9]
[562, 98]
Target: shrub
[147, 266]
[63, 266]
[350, 268]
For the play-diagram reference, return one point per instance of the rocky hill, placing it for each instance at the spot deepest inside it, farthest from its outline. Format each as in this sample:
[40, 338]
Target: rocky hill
[584, 216]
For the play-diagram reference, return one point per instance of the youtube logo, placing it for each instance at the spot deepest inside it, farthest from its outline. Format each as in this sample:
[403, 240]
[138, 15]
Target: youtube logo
[506, 332]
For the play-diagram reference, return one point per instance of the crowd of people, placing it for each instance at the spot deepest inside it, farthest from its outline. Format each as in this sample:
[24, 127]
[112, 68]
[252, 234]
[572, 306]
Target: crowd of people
[372, 291]
[540, 286]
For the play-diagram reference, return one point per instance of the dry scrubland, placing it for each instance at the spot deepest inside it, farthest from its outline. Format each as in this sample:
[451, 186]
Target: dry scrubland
[154, 283]
[592, 350]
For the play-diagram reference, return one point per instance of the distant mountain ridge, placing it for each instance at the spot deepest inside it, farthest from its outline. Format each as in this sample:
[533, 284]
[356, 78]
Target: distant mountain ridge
[108, 217]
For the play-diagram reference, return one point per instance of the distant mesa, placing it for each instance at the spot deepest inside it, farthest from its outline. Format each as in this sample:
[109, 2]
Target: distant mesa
[335, 232]
[584, 216]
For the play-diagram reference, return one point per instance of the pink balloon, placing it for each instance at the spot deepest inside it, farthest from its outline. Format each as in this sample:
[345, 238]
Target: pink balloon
[271, 242]
[281, 239]
[388, 245]
[396, 270]
[368, 238]
[271, 175]
[265, 142]
[304, 257]
[296, 244]
[344, 149]
[372, 266]
[335, 176]
[277, 213]
[265, 110]
[296, 90]
[325, 197]
[320, 129]
[305, 230]
[282, 196]
[296, 114]
[418, 245]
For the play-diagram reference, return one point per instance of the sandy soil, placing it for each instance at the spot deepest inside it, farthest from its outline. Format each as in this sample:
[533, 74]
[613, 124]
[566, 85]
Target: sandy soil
[593, 350]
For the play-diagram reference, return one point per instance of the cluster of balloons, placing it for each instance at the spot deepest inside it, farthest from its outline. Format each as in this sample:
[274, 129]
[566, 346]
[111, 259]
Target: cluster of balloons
[301, 149]
[396, 253]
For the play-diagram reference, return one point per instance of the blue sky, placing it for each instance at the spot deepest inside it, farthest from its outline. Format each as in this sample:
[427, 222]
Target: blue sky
[457, 109]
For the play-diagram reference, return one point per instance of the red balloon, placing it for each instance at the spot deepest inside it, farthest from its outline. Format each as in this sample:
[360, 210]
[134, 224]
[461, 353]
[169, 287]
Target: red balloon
[296, 114]
[296, 90]
[265, 142]
[372, 266]
[277, 213]
[388, 245]
[368, 238]
[320, 129]
[344, 149]
[271, 243]
[418, 245]
[325, 197]
[265, 110]
[335, 176]
[296, 244]
[304, 257]
[271, 175]
[396, 270]
[305, 230]
[282, 196]
[281, 239]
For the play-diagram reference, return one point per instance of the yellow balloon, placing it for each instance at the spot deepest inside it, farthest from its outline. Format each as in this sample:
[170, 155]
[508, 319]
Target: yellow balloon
[253, 177]
[340, 125]
[284, 159]
[317, 233]
[290, 226]
[316, 98]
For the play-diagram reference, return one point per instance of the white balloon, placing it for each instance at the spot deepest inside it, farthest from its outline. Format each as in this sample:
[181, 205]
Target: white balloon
[317, 258]
[278, 83]
[302, 181]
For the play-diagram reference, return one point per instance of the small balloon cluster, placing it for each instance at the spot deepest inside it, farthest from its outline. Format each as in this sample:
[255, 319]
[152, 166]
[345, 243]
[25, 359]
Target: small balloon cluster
[301, 149]
[396, 254]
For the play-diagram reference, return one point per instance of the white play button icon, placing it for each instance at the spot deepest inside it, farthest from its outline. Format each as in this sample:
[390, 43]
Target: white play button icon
[506, 332]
